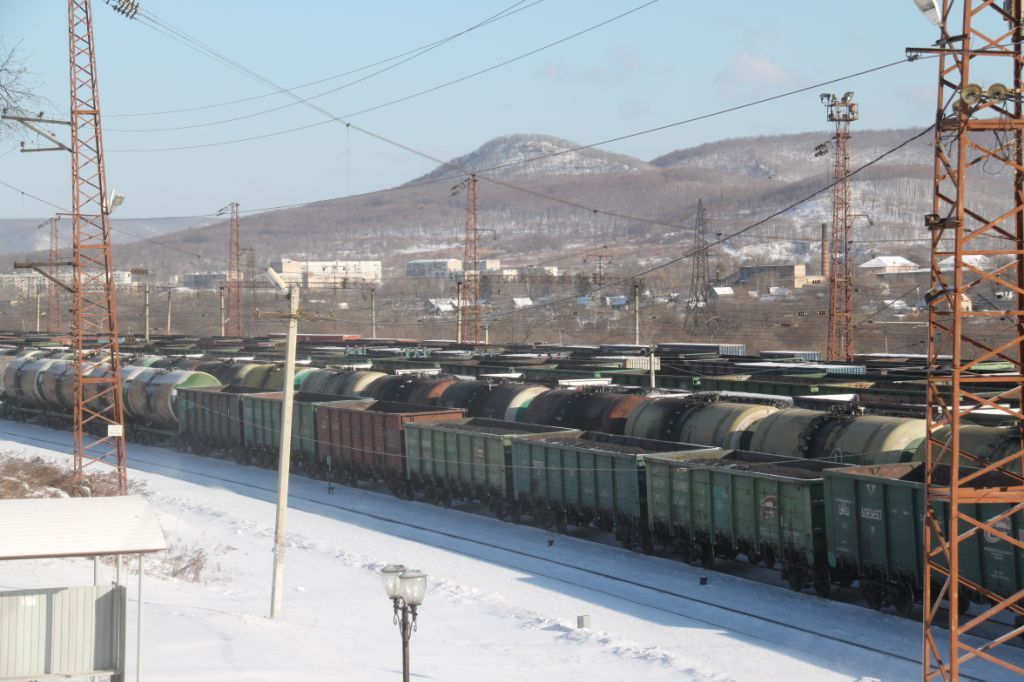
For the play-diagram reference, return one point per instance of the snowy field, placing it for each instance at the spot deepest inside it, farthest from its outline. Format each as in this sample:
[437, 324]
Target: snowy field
[502, 602]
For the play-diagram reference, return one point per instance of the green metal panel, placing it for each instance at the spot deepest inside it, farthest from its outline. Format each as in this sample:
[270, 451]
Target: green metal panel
[891, 548]
[742, 502]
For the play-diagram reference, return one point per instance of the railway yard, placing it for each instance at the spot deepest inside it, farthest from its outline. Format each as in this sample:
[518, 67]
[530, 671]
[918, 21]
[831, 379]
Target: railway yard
[813, 472]
[807, 464]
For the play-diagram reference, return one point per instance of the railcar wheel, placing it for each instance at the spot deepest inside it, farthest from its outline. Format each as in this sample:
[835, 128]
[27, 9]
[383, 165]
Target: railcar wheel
[872, 595]
[795, 577]
[753, 558]
[903, 599]
[822, 582]
[769, 558]
[707, 554]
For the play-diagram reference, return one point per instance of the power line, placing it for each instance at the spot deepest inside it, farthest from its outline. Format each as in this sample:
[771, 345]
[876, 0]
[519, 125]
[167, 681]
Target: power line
[149, 20]
[319, 95]
[415, 52]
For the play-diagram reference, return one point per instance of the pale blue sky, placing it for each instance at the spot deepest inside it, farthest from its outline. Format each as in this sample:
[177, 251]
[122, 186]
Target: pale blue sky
[671, 60]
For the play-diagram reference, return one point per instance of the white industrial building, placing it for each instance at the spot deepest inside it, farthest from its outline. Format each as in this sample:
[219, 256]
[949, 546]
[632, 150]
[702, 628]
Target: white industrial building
[327, 272]
[434, 267]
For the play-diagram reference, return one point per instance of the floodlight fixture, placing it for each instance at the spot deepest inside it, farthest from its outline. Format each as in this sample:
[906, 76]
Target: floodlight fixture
[931, 10]
[277, 280]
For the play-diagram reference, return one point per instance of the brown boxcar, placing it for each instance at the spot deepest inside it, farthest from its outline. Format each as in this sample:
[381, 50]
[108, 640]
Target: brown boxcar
[365, 440]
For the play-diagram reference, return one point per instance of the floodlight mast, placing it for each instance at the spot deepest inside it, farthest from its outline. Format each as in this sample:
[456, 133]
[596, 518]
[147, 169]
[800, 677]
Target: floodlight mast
[840, 344]
[970, 499]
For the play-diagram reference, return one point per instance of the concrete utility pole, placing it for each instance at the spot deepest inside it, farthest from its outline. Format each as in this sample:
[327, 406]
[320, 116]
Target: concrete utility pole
[654, 382]
[220, 293]
[373, 313]
[284, 461]
[145, 309]
[169, 293]
[636, 312]
[458, 312]
[39, 309]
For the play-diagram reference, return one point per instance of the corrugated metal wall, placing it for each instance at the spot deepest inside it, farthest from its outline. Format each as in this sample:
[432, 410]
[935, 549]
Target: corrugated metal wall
[62, 631]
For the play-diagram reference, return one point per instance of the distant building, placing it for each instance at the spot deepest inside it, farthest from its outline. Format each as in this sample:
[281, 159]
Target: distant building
[489, 265]
[883, 265]
[977, 261]
[204, 280]
[526, 271]
[789, 275]
[329, 272]
[438, 267]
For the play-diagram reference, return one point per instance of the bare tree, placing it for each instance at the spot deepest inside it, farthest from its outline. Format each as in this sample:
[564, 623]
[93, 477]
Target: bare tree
[17, 91]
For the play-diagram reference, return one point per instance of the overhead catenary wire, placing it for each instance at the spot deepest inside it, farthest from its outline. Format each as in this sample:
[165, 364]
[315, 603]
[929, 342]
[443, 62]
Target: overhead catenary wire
[150, 20]
[349, 84]
[415, 52]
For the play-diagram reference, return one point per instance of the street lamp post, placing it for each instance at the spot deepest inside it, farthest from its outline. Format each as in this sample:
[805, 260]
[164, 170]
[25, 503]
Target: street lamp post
[406, 589]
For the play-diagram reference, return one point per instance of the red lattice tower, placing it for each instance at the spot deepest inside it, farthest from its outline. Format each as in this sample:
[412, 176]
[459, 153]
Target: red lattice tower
[235, 276]
[471, 266]
[973, 503]
[98, 413]
[840, 308]
[54, 316]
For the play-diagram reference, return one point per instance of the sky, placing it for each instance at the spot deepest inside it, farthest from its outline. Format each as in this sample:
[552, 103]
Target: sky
[667, 61]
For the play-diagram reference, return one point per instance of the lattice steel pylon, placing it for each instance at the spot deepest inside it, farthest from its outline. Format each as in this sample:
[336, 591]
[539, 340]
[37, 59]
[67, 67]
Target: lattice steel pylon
[471, 266]
[700, 309]
[235, 275]
[976, 128]
[841, 111]
[54, 318]
[98, 414]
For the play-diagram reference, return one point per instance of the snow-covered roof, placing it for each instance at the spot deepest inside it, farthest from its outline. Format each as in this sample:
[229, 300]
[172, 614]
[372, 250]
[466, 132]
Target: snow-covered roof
[521, 302]
[977, 261]
[723, 291]
[889, 262]
[78, 526]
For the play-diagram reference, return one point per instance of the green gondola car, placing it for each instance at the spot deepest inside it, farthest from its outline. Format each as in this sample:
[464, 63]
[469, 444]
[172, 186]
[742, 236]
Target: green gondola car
[591, 478]
[875, 516]
[468, 459]
[767, 507]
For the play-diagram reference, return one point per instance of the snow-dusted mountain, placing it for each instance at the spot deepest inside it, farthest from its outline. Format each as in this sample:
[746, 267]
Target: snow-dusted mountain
[741, 180]
[514, 156]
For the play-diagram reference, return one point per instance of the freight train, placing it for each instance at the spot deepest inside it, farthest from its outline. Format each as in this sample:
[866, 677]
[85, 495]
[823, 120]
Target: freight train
[828, 496]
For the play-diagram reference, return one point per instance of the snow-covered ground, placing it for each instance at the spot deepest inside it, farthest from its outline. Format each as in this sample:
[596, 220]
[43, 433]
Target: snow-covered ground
[502, 602]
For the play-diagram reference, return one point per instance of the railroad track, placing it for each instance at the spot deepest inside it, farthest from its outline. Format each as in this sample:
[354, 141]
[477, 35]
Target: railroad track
[660, 593]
